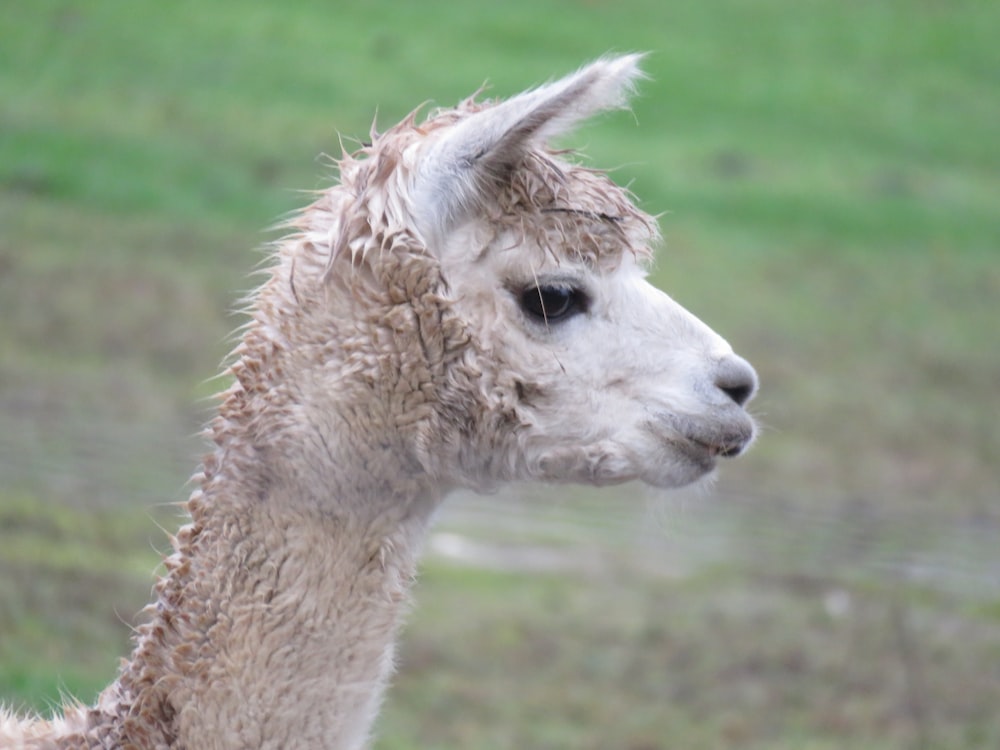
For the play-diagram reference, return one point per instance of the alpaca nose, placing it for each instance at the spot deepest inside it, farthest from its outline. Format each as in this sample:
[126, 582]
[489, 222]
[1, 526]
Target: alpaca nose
[737, 379]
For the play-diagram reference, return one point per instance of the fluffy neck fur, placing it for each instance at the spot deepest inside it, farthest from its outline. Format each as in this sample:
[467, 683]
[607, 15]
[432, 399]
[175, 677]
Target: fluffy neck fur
[275, 622]
[274, 626]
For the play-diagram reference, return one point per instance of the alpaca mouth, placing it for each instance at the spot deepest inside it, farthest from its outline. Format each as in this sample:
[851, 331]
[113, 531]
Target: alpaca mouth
[706, 443]
[721, 449]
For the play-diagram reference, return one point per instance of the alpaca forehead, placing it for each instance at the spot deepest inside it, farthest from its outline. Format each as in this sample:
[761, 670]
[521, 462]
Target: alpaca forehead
[578, 219]
[576, 214]
[523, 249]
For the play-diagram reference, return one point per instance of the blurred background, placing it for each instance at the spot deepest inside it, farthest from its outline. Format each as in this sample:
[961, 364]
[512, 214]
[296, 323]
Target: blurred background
[828, 179]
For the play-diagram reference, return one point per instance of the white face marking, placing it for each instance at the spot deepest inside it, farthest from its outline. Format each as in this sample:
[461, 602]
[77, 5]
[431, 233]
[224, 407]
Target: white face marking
[631, 386]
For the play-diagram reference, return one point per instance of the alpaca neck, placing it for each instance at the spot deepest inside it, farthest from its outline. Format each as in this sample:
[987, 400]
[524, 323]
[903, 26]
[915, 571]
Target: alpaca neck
[276, 622]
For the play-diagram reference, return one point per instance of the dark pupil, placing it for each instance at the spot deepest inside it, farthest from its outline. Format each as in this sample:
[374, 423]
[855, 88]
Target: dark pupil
[549, 302]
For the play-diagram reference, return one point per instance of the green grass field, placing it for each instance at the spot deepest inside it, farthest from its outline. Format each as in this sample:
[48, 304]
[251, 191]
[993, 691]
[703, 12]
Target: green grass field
[828, 175]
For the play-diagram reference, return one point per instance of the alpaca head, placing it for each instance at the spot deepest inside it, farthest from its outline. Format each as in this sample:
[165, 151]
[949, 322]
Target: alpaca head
[500, 325]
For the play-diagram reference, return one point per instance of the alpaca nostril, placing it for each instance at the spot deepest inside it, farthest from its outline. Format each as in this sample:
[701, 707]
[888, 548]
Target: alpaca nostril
[737, 379]
[738, 393]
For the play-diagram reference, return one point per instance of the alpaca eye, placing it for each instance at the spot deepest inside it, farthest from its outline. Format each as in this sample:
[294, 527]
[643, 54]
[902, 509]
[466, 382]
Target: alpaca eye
[551, 302]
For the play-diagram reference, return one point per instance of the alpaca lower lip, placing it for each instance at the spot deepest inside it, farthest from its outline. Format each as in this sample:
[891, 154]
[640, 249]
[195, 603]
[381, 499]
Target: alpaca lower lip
[728, 449]
[709, 441]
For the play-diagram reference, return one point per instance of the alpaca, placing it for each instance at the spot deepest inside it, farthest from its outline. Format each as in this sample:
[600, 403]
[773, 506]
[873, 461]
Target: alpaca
[465, 307]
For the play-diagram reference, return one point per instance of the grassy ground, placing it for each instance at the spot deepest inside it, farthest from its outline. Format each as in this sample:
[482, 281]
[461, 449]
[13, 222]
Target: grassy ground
[828, 174]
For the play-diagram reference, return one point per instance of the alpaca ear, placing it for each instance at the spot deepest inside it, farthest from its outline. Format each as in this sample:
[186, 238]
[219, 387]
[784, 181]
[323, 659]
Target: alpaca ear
[462, 169]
